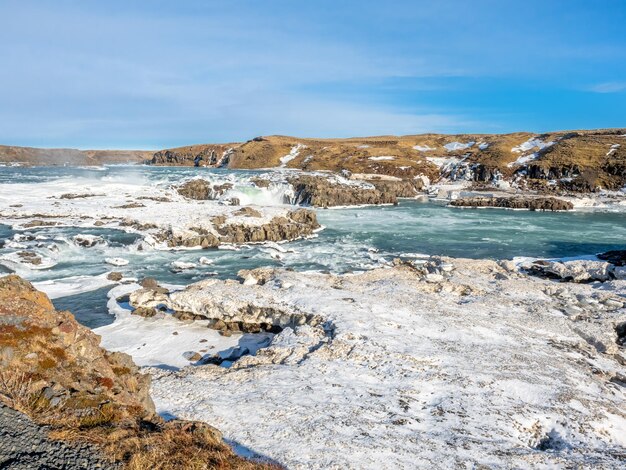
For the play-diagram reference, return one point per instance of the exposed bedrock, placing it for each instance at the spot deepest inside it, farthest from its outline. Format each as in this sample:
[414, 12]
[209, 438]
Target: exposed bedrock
[25, 445]
[530, 203]
[319, 191]
[64, 360]
[295, 224]
[202, 190]
[400, 188]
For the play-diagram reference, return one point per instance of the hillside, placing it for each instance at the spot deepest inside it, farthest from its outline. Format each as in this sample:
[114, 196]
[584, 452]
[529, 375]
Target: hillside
[582, 160]
[73, 157]
[566, 160]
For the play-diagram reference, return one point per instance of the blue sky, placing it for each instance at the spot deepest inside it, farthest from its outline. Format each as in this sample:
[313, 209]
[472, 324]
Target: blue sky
[154, 74]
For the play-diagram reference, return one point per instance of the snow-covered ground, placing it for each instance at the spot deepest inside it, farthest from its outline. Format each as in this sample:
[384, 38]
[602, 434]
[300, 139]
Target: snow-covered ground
[473, 365]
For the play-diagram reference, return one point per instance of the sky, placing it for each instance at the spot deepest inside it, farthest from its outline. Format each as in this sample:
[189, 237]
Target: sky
[155, 74]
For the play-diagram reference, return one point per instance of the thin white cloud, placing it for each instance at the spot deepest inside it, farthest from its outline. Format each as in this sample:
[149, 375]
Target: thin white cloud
[608, 87]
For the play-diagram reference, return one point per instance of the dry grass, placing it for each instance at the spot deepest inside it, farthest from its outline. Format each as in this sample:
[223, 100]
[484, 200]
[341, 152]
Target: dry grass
[17, 392]
[173, 450]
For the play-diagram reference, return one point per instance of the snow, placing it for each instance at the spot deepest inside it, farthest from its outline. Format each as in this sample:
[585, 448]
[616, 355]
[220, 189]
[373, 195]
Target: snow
[178, 266]
[524, 159]
[613, 149]
[423, 148]
[483, 145]
[454, 146]
[443, 162]
[530, 144]
[116, 261]
[72, 285]
[473, 370]
[293, 153]
[162, 341]
[384, 157]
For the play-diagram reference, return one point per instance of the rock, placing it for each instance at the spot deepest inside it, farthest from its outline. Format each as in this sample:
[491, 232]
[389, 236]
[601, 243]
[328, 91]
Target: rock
[248, 212]
[30, 257]
[148, 298]
[146, 312]
[250, 280]
[319, 191]
[69, 354]
[39, 223]
[402, 188]
[115, 276]
[515, 202]
[149, 283]
[616, 257]
[572, 271]
[192, 356]
[87, 241]
[69, 386]
[261, 182]
[198, 189]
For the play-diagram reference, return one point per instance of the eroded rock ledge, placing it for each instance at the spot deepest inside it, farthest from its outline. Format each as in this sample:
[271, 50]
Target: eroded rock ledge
[320, 191]
[295, 224]
[530, 203]
[53, 370]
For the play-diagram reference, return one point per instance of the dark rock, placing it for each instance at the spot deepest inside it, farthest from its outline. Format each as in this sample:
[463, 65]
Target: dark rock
[530, 203]
[151, 284]
[616, 257]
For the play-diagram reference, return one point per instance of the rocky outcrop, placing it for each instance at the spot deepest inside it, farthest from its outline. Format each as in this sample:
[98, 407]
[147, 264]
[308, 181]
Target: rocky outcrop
[226, 309]
[295, 224]
[530, 203]
[574, 271]
[202, 190]
[319, 191]
[209, 155]
[53, 370]
[399, 188]
[63, 361]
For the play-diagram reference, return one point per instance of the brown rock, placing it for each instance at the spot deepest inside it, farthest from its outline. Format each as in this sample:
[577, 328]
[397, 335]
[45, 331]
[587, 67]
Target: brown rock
[146, 312]
[198, 189]
[248, 212]
[318, 191]
[515, 202]
[115, 276]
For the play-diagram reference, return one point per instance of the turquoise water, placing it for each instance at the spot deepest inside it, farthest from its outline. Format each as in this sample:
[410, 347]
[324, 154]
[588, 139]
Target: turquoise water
[353, 239]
